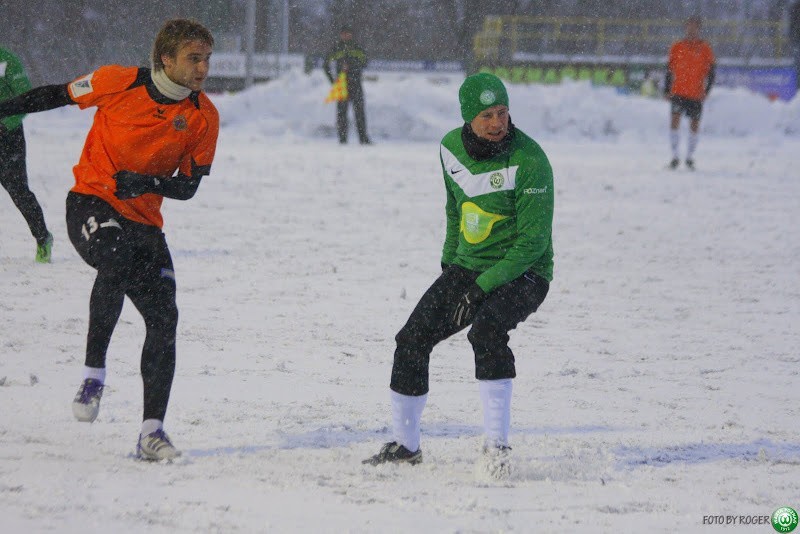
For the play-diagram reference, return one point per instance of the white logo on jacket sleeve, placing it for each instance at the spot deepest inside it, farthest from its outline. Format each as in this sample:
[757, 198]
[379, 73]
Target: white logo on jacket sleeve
[82, 86]
[535, 190]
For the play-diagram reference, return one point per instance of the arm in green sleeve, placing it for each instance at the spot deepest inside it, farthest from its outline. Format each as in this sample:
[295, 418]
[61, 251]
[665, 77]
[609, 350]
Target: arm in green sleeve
[534, 207]
[453, 225]
[359, 58]
[326, 66]
[19, 83]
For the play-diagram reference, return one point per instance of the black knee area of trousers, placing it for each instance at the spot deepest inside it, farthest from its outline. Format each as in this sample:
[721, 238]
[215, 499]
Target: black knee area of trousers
[12, 157]
[411, 361]
[105, 305]
[493, 358]
[160, 313]
[165, 320]
[14, 175]
[162, 325]
[429, 323]
[506, 307]
[14, 178]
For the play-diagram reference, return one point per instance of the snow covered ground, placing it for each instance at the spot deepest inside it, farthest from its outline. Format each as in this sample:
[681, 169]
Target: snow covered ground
[658, 383]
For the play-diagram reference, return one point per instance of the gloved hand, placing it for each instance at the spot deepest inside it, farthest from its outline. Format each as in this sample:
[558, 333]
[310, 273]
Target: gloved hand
[468, 305]
[132, 184]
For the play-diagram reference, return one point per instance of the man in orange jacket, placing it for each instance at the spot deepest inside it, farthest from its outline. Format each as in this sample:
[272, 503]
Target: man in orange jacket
[154, 135]
[690, 75]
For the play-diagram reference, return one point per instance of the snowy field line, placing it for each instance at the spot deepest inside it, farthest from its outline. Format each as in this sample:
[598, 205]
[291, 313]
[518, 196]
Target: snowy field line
[657, 384]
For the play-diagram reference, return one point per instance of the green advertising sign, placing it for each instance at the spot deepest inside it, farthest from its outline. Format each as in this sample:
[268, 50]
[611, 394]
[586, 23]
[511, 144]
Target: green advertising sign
[629, 78]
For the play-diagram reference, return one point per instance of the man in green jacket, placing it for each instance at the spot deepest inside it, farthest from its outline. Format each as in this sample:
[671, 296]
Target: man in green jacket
[349, 58]
[13, 170]
[497, 264]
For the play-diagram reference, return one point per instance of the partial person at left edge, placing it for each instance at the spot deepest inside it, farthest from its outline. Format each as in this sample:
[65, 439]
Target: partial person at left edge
[13, 167]
[154, 135]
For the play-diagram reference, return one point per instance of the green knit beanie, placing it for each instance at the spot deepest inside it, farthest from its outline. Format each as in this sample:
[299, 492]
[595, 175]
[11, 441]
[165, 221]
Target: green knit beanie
[481, 91]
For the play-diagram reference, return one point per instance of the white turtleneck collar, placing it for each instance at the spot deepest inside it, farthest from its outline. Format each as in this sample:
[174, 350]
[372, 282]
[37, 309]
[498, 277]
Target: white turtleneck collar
[167, 87]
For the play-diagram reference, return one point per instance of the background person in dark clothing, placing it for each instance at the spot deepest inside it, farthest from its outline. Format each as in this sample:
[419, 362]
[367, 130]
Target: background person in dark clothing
[13, 169]
[348, 57]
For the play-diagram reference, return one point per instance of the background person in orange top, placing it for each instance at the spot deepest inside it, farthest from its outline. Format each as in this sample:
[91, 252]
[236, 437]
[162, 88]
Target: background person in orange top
[690, 75]
[149, 124]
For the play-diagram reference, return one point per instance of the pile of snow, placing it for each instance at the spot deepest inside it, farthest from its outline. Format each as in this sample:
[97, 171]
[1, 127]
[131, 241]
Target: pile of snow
[415, 107]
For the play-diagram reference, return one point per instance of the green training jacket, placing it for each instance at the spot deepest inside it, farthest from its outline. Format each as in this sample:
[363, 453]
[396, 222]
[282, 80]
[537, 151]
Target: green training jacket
[499, 211]
[13, 82]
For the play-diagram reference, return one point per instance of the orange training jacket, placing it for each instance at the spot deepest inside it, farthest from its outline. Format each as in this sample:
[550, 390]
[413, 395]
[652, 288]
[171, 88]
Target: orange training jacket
[690, 63]
[136, 131]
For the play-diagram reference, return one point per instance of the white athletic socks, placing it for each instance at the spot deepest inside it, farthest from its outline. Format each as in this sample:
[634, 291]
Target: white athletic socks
[674, 138]
[148, 425]
[692, 144]
[95, 373]
[406, 416]
[496, 400]
[151, 425]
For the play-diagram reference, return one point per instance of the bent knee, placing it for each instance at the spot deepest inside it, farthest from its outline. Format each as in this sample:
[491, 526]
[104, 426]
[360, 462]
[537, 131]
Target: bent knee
[164, 319]
[409, 336]
[486, 331]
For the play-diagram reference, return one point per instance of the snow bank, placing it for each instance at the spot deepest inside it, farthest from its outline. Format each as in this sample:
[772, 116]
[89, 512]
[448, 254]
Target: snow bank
[418, 107]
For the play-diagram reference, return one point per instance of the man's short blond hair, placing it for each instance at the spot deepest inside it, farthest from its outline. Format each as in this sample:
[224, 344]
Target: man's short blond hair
[173, 34]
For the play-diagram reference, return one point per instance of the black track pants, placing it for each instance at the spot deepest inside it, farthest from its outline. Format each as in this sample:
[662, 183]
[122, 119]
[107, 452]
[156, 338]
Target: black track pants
[432, 322]
[131, 259]
[14, 178]
[356, 97]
